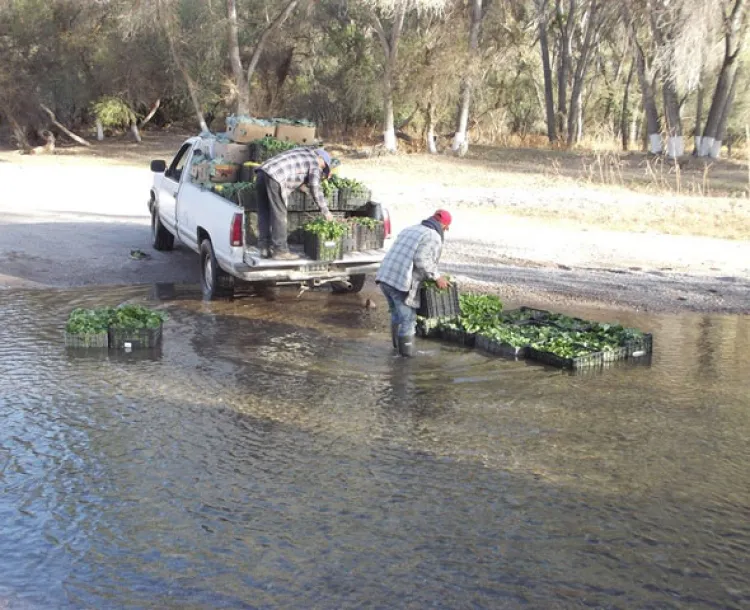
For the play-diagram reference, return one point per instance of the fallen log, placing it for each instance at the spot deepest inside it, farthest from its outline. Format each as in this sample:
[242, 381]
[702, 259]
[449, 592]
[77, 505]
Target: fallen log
[61, 127]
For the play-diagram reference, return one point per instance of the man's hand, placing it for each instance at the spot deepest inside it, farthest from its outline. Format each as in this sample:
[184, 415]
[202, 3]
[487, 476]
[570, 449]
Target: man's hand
[442, 283]
[304, 189]
[328, 216]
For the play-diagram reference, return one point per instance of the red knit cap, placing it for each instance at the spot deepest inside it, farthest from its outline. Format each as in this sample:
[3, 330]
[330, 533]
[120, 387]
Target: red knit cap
[443, 216]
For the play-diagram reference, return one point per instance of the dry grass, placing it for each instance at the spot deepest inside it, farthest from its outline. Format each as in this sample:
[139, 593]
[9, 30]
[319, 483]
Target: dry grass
[623, 191]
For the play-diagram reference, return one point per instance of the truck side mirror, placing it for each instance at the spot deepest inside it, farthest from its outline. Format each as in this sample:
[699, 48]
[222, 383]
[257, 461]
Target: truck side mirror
[159, 166]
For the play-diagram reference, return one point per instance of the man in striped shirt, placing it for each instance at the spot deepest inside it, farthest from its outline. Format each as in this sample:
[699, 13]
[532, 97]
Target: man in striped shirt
[413, 258]
[275, 179]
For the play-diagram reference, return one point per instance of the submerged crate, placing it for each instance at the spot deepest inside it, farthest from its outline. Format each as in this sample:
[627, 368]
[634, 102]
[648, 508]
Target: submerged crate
[429, 328]
[460, 337]
[436, 303]
[497, 348]
[594, 359]
[86, 340]
[319, 249]
[134, 338]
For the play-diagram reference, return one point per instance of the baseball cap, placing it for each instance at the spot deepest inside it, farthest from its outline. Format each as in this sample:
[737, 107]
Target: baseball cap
[323, 154]
[443, 216]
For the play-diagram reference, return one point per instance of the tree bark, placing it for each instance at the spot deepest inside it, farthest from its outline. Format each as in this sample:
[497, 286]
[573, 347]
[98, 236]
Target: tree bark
[625, 113]
[549, 98]
[390, 50]
[151, 113]
[241, 86]
[698, 120]
[460, 139]
[653, 129]
[430, 130]
[715, 151]
[99, 130]
[563, 68]
[734, 35]
[136, 133]
[575, 115]
[61, 127]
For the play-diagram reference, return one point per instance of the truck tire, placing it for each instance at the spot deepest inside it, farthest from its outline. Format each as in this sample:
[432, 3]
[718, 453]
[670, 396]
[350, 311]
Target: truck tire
[357, 283]
[161, 238]
[215, 282]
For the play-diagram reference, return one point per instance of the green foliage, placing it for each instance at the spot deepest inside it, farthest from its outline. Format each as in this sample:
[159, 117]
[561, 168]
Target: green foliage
[113, 112]
[270, 147]
[135, 317]
[328, 230]
[368, 223]
[99, 320]
[231, 190]
[89, 321]
[355, 186]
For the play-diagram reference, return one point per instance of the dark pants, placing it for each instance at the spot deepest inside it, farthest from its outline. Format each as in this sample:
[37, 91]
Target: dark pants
[271, 214]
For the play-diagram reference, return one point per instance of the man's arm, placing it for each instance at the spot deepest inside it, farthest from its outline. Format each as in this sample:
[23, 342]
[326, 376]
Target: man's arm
[426, 258]
[313, 182]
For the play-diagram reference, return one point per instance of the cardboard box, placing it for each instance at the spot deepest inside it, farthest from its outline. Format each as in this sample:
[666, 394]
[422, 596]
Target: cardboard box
[244, 132]
[227, 172]
[299, 134]
[232, 153]
[201, 172]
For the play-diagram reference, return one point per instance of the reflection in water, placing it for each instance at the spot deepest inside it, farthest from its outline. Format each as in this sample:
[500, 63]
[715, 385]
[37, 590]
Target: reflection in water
[279, 455]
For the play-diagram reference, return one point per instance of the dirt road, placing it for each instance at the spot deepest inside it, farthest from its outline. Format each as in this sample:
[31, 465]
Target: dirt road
[68, 222]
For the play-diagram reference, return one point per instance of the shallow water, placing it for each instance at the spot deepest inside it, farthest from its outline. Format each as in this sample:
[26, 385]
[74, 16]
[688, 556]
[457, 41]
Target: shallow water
[276, 454]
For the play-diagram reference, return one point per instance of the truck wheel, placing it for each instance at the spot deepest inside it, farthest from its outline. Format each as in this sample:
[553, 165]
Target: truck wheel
[161, 238]
[357, 283]
[215, 282]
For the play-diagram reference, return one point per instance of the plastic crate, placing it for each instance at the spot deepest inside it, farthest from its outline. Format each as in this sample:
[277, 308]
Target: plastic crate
[319, 250]
[497, 348]
[370, 239]
[248, 199]
[461, 337]
[140, 338]
[298, 201]
[294, 223]
[251, 228]
[349, 242]
[348, 200]
[86, 340]
[594, 359]
[638, 348]
[530, 315]
[435, 303]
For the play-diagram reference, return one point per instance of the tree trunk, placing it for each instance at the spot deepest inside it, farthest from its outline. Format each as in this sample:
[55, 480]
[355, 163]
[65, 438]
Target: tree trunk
[166, 19]
[390, 50]
[653, 130]
[698, 120]
[136, 133]
[99, 130]
[715, 151]
[734, 36]
[460, 139]
[675, 142]
[242, 88]
[563, 67]
[625, 133]
[549, 99]
[151, 113]
[575, 116]
[430, 131]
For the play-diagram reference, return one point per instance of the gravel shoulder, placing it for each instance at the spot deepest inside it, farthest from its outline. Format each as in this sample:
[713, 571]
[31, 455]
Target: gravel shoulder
[73, 222]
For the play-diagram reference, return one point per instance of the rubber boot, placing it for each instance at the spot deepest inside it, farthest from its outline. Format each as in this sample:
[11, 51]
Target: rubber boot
[406, 346]
[394, 334]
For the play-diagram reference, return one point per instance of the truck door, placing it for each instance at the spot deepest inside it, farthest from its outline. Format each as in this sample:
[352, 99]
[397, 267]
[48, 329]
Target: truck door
[170, 187]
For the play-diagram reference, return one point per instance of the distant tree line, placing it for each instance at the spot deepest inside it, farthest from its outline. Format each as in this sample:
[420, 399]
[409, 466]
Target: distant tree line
[644, 73]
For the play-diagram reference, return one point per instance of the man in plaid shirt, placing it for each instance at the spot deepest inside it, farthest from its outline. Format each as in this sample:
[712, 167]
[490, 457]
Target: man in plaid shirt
[412, 258]
[275, 179]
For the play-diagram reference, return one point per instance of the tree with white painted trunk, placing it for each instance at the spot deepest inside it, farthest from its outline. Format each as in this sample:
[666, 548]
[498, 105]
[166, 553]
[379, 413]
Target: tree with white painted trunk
[388, 18]
[735, 29]
[461, 137]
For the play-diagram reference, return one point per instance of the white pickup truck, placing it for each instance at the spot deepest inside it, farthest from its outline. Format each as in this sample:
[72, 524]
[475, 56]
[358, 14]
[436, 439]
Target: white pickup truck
[216, 229]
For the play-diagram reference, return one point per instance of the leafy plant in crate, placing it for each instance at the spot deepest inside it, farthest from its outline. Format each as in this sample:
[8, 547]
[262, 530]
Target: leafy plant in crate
[135, 325]
[88, 327]
[322, 238]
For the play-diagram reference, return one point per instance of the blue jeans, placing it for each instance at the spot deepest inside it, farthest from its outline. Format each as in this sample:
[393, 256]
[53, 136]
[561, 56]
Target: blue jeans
[401, 313]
